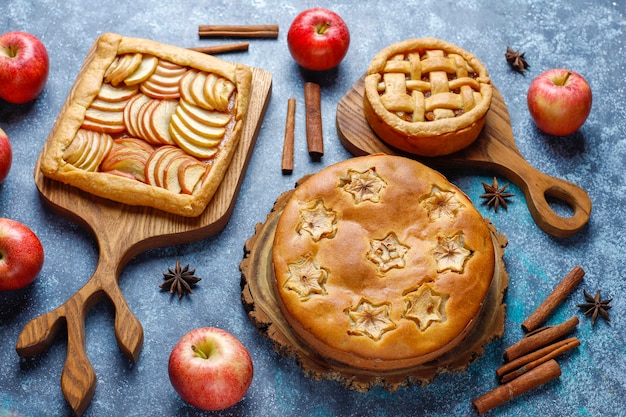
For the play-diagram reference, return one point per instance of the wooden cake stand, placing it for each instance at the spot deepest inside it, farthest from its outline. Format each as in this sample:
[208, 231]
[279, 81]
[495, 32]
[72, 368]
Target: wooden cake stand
[136, 229]
[494, 150]
[262, 306]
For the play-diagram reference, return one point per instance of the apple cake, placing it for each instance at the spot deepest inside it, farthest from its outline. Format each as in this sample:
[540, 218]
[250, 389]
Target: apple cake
[426, 96]
[149, 124]
[380, 263]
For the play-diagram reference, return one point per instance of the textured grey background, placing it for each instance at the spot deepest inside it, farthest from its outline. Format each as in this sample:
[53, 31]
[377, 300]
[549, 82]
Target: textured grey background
[586, 36]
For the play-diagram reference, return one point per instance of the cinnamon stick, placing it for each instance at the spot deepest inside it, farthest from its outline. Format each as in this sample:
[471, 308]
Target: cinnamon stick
[313, 107]
[540, 339]
[560, 292]
[218, 49]
[238, 31]
[532, 379]
[525, 363]
[287, 161]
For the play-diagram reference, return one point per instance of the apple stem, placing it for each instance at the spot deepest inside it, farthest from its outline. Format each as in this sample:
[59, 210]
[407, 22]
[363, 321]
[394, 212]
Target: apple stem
[322, 28]
[563, 80]
[199, 352]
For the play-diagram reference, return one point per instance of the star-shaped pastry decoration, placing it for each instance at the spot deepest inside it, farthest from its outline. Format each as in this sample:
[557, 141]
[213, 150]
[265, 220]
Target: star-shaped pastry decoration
[387, 253]
[364, 186]
[370, 320]
[441, 204]
[496, 196]
[318, 221]
[424, 307]
[306, 278]
[596, 306]
[450, 253]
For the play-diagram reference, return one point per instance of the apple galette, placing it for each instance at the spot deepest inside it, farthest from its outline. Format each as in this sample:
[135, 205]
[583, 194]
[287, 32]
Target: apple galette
[380, 263]
[426, 96]
[149, 124]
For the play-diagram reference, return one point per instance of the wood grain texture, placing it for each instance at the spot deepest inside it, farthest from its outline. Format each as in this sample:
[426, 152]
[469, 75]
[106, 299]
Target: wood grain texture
[494, 150]
[123, 232]
[259, 300]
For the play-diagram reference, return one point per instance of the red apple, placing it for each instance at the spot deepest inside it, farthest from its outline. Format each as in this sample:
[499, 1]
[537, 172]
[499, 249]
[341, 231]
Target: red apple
[24, 67]
[559, 101]
[318, 39]
[6, 156]
[21, 255]
[210, 369]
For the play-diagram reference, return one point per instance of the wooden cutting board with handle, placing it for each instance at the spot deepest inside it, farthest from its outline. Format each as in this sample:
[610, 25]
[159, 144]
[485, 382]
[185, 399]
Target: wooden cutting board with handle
[122, 232]
[494, 150]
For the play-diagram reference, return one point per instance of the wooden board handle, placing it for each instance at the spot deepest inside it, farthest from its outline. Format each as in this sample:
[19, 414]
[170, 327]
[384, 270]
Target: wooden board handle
[547, 219]
[78, 379]
[540, 188]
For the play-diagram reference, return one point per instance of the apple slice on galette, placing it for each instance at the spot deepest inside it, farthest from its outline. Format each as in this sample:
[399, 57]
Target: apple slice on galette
[149, 124]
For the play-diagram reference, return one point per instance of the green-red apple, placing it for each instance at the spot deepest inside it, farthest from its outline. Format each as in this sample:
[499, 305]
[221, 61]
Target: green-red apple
[210, 369]
[559, 101]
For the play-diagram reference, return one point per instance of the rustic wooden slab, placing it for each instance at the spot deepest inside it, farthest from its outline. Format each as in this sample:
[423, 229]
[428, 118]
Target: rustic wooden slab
[122, 232]
[494, 150]
[260, 301]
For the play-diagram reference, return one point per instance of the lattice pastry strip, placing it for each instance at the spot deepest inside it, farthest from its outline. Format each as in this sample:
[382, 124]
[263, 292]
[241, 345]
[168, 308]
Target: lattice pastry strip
[426, 96]
[438, 86]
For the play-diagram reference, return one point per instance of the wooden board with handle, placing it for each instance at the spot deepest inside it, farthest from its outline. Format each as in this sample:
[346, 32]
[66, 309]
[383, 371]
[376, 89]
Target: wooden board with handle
[494, 150]
[122, 232]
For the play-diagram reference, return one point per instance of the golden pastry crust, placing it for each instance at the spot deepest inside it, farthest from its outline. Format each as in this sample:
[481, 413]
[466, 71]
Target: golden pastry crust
[380, 263]
[426, 96]
[116, 185]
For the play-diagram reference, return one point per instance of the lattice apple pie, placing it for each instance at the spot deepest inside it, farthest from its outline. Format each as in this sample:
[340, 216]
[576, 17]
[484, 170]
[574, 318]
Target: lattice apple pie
[426, 96]
[149, 124]
[381, 263]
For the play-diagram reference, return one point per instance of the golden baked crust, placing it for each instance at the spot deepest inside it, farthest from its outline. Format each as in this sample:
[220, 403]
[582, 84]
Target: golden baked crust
[99, 107]
[381, 263]
[426, 96]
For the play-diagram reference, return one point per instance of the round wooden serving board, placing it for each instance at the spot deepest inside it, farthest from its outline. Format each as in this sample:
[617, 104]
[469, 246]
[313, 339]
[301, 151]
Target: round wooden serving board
[122, 232]
[494, 150]
[259, 299]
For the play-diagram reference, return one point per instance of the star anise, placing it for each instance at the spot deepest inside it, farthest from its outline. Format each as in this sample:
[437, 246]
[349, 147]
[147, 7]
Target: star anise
[516, 60]
[179, 280]
[496, 196]
[596, 307]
